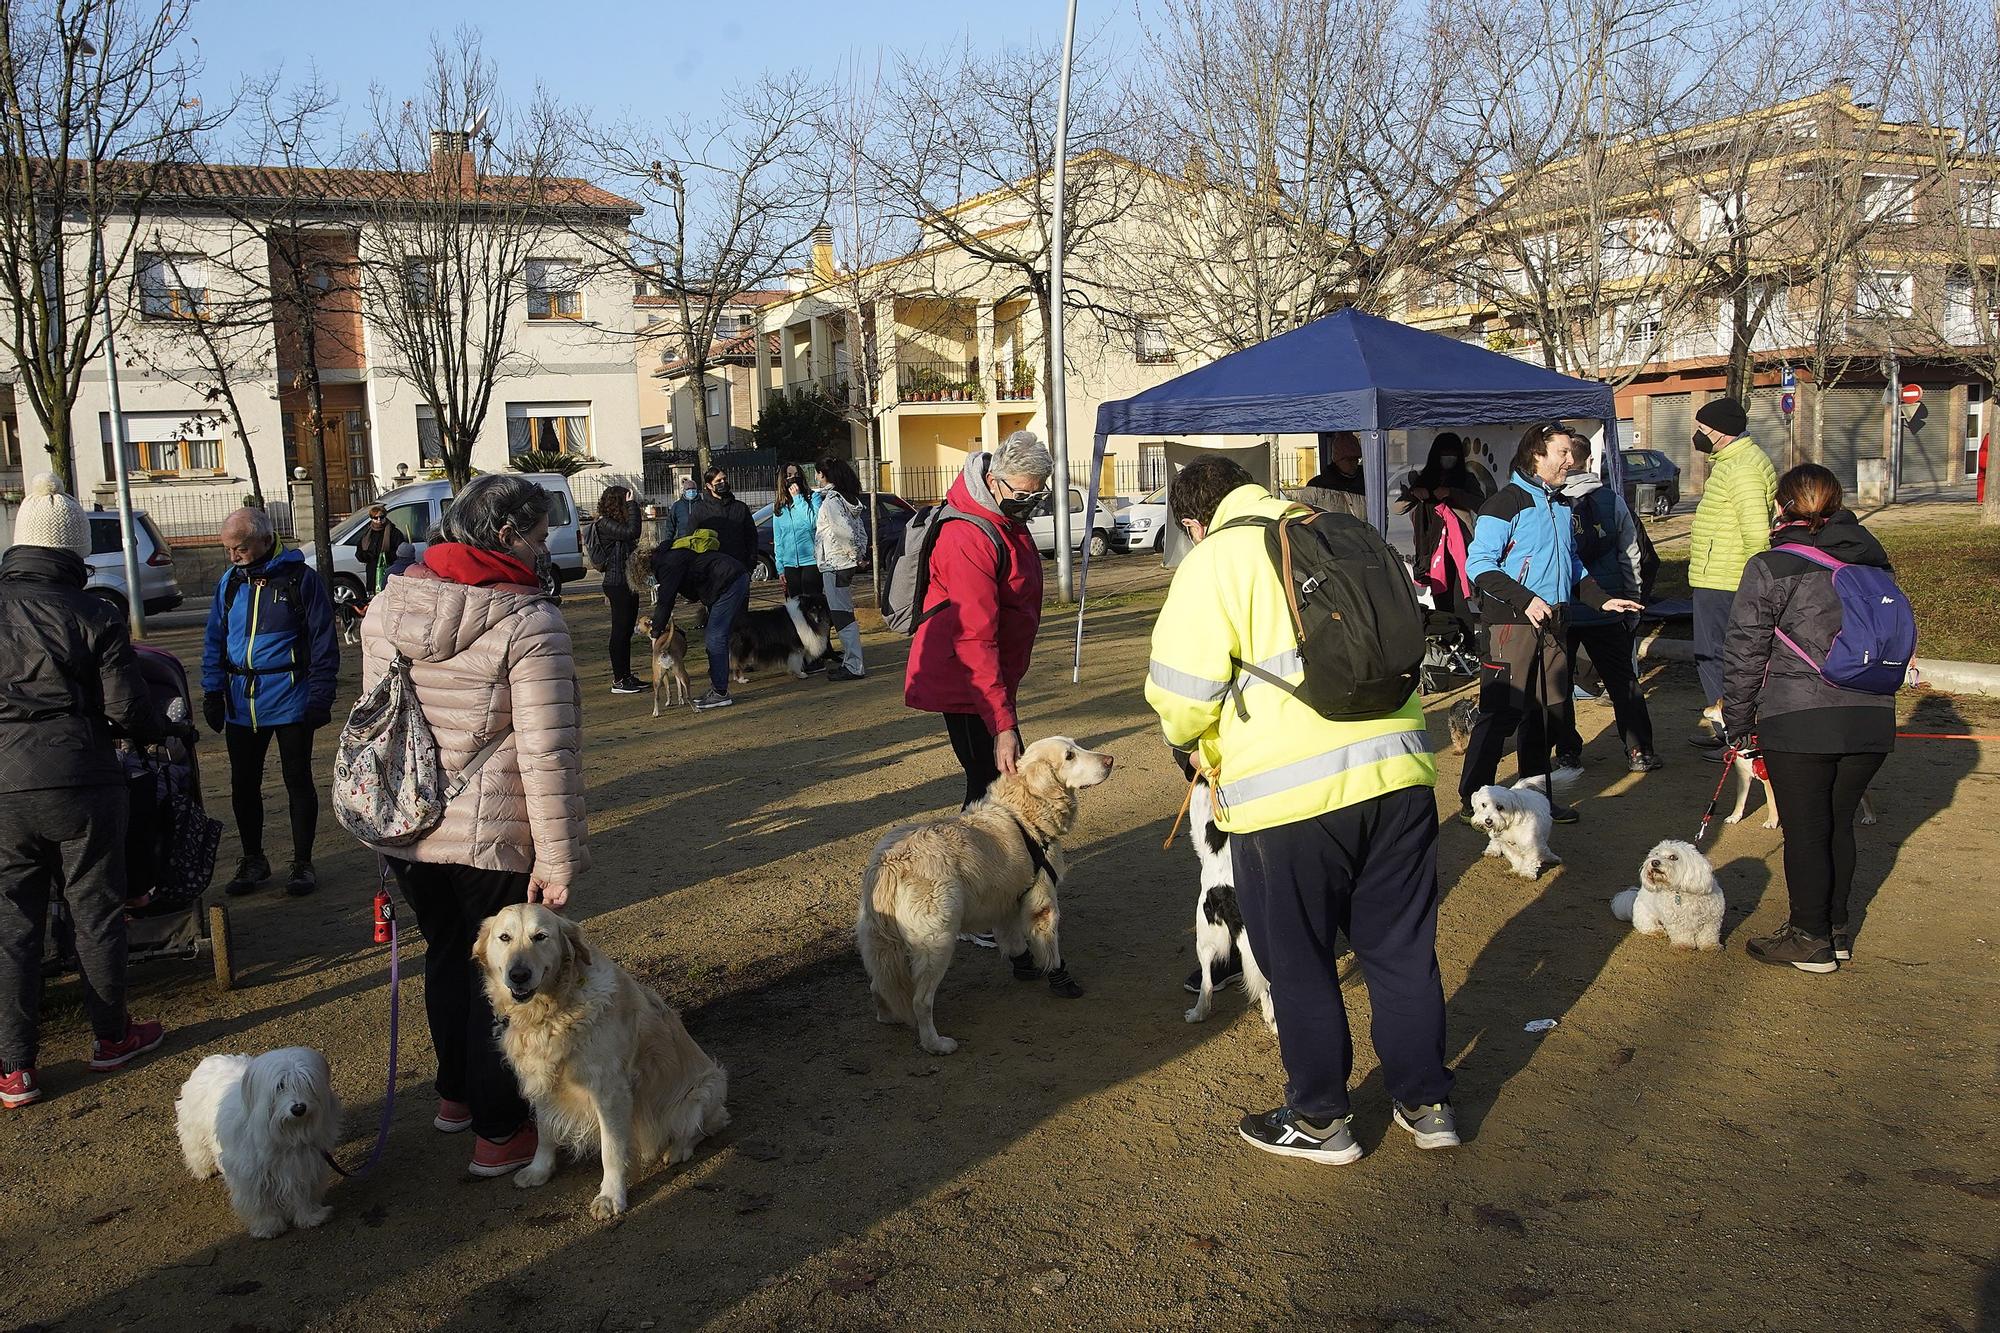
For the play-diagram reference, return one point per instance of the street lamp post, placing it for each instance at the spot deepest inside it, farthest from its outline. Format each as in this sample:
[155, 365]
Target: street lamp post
[135, 602]
[1058, 379]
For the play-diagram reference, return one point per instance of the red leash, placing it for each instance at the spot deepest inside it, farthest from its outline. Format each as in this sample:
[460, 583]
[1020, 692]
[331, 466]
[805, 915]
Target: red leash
[1708, 815]
[1940, 736]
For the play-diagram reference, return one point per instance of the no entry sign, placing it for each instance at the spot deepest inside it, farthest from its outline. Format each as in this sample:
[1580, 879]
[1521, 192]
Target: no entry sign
[1912, 394]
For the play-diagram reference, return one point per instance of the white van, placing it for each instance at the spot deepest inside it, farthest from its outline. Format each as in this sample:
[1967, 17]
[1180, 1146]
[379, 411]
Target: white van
[416, 508]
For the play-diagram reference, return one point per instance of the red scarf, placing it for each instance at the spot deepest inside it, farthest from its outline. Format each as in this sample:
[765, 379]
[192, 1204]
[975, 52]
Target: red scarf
[476, 566]
[1448, 559]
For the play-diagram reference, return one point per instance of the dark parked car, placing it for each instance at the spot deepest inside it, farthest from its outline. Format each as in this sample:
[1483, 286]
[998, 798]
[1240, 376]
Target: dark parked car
[1650, 467]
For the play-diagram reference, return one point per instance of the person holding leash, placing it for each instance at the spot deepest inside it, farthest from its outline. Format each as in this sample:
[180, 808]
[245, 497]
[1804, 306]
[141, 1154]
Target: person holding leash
[693, 567]
[1822, 743]
[491, 660]
[1523, 565]
[794, 532]
[1732, 523]
[612, 535]
[840, 550]
[1333, 826]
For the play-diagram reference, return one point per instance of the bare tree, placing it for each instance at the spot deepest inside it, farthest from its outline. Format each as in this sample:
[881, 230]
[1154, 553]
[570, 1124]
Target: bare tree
[728, 202]
[97, 108]
[471, 190]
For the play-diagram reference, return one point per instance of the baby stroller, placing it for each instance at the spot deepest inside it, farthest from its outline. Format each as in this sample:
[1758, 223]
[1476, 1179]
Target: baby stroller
[170, 840]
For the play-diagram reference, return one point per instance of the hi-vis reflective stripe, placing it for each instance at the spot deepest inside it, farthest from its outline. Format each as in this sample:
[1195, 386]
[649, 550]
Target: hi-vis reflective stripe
[1186, 684]
[1291, 662]
[1320, 767]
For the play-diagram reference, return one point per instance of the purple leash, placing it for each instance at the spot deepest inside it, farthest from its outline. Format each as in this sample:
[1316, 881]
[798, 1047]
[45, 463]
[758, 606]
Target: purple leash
[385, 928]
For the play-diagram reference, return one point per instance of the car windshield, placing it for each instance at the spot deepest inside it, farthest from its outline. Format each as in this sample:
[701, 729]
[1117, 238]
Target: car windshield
[1158, 497]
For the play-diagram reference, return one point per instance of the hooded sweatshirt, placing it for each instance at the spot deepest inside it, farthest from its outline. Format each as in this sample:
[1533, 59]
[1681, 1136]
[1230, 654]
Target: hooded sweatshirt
[1607, 543]
[490, 656]
[970, 654]
[1767, 688]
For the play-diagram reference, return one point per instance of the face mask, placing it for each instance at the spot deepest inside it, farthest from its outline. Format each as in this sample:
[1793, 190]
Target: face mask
[1019, 506]
[1447, 462]
[722, 492]
[1703, 444]
[688, 494]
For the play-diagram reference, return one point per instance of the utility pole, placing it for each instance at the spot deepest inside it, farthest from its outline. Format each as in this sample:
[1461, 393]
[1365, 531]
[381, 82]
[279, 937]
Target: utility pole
[1058, 377]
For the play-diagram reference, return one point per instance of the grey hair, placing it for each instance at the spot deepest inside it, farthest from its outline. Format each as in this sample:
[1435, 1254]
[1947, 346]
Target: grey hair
[1022, 454]
[257, 519]
[490, 503]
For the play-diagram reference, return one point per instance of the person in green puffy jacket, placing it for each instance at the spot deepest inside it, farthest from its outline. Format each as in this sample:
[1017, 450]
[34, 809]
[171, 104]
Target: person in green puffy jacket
[1731, 524]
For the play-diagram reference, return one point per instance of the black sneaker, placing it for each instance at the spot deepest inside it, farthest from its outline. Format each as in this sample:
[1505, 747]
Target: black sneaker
[627, 686]
[1705, 740]
[1563, 814]
[1226, 975]
[1464, 815]
[1643, 761]
[713, 699]
[842, 673]
[1792, 945]
[301, 879]
[1569, 759]
[251, 872]
[1843, 944]
[1289, 1134]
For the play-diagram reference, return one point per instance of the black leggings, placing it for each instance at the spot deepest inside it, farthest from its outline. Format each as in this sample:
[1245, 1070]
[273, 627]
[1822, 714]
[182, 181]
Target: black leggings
[450, 902]
[248, 747]
[1817, 797]
[624, 618]
[973, 744]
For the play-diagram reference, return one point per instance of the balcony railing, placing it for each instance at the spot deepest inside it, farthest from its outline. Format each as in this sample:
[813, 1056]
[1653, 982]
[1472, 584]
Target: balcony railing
[937, 380]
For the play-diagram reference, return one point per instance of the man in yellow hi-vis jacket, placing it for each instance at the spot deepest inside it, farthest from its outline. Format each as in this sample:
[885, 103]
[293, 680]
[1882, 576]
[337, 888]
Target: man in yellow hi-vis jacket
[1333, 827]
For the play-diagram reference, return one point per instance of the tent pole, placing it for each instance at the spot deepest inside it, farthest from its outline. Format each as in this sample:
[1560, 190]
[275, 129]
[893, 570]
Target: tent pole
[1097, 448]
[1058, 379]
[1375, 482]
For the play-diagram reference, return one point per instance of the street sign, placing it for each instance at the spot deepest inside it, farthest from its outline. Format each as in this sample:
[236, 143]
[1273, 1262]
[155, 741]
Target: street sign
[1788, 403]
[1790, 380]
[1912, 394]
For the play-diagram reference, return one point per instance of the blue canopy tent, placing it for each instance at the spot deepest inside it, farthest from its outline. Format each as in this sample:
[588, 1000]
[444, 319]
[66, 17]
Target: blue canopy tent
[1352, 372]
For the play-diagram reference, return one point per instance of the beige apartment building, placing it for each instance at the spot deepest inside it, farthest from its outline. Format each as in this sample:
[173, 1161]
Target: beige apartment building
[1813, 237]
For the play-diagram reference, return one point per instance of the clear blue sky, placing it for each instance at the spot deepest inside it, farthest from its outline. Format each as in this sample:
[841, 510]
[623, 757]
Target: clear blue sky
[665, 56]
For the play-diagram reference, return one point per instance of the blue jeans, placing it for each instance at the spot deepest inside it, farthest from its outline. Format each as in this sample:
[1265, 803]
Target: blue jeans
[722, 615]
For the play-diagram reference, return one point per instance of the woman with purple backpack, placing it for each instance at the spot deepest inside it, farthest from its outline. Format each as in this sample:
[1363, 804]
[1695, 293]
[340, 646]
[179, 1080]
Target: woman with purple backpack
[1793, 634]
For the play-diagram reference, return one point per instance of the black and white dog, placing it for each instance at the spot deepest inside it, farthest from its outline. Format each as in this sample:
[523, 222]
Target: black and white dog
[1218, 922]
[794, 634]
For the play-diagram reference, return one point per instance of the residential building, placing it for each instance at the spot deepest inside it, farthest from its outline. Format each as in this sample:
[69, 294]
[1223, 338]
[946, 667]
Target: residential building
[567, 384]
[959, 347]
[667, 394]
[1813, 237]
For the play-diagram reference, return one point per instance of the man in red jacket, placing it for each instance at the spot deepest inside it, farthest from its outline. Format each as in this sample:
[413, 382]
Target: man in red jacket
[982, 610]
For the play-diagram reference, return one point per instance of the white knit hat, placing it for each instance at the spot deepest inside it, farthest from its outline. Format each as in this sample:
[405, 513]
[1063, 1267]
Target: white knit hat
[47, 517]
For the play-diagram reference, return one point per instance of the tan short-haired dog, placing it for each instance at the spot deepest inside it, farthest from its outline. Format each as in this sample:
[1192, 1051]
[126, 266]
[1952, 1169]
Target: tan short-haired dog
[603, 1060]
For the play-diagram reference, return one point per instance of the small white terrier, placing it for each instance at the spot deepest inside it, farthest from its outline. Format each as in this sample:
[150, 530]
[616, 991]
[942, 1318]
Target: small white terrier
[1677, 897]
[1517, 823]
[1218, 922]
[266, 1123]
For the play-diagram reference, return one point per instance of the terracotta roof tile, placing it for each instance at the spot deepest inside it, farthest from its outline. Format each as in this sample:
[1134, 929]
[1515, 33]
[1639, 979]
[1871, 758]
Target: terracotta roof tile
[336, 187]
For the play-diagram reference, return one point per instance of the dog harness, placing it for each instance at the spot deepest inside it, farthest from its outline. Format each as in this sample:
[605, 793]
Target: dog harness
[1038, 852]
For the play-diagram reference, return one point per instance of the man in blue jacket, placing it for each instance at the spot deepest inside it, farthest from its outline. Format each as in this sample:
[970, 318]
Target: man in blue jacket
[268, 668]
[1523, 567]
[1607, 546]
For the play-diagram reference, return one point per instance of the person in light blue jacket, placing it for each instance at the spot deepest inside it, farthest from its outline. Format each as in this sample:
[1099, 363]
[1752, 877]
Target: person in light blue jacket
[269, 664]
[793, 523]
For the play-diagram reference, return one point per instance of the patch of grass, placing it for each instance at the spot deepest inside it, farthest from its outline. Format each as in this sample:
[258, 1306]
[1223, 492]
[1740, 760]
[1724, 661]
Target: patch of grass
[1951, 573]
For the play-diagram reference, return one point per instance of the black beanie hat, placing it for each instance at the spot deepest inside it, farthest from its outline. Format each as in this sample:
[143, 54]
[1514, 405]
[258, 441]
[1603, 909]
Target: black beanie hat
[1724, 414]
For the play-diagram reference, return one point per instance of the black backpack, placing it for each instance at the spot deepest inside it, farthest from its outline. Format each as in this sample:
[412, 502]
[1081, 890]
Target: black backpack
[1354, 611]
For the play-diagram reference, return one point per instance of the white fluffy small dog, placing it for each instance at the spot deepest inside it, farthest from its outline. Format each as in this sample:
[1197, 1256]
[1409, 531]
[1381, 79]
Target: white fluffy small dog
[1517, 823]
[1677, 897]
[1218, 921]
[266, 1123]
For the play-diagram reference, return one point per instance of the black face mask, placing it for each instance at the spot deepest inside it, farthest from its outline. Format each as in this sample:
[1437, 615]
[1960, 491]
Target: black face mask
[1703, 444]
[1019, 506]
[723, 492]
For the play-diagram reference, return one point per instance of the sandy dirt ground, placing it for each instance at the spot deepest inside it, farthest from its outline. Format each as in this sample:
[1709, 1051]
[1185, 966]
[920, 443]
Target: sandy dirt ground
[1701, 1143]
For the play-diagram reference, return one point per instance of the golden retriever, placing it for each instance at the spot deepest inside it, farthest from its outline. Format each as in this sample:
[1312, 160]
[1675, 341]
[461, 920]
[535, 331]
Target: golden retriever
[991, 867]
[603, 1060]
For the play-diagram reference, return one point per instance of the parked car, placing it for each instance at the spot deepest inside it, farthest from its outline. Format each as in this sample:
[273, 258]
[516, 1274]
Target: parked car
[1650, 467]
[1042, 525]
[896, 515]
[159, 589]
[416, 508]
[1142, 524]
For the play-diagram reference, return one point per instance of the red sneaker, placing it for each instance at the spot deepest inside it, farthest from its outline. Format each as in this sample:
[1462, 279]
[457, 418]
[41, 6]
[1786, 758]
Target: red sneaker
[19, 1088]
[497, 1159]
[140, 1037]
[452, 1117]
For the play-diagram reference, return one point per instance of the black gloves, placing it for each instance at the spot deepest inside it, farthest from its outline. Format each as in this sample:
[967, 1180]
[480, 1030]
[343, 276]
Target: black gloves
[212, 711]
[317, 717]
